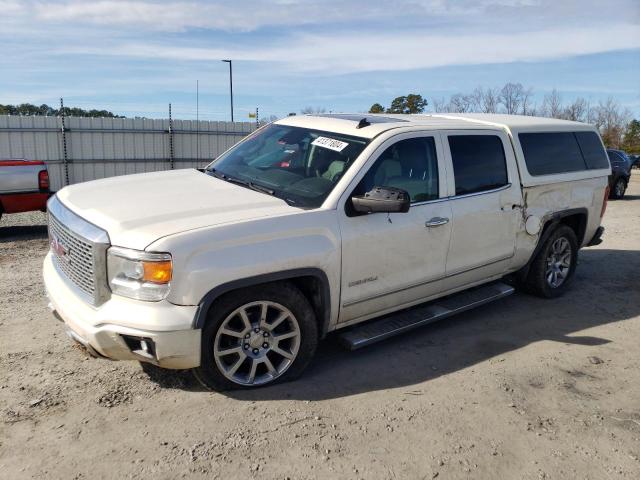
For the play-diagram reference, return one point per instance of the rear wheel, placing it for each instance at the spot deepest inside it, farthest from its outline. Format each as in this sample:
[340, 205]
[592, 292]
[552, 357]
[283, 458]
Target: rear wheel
[619, 188]
[257, 336]
[554, 266]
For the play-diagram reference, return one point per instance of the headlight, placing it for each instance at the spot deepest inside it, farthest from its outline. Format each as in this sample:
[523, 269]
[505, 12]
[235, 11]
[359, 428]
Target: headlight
[139, 275]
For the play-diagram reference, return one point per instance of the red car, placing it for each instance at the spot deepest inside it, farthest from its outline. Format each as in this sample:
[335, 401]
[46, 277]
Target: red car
[24, 186]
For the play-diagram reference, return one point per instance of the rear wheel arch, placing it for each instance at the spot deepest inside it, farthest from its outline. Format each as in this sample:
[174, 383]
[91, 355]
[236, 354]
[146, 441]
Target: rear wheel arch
[312, 283]
[575, 218]
[577, 221]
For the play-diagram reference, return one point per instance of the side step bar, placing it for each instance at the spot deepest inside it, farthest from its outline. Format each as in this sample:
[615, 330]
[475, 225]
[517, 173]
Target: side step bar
[405, 320]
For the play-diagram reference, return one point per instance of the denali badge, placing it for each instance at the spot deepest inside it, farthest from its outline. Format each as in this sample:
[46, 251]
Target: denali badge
[364, 280]
[59, 249]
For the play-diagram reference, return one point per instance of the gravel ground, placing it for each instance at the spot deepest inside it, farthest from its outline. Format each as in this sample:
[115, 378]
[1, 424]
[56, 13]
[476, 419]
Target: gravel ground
[523, 388]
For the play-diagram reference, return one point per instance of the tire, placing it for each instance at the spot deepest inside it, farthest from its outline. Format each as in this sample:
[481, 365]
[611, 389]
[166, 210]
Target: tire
[240, 350]
[619, 188]
[540, 280]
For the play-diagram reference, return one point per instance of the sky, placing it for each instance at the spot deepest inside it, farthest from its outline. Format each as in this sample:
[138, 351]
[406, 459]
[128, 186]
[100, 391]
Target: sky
[136, 57]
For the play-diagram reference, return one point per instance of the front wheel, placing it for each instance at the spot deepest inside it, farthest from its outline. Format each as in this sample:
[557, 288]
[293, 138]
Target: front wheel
[257, 336]
[554, 266]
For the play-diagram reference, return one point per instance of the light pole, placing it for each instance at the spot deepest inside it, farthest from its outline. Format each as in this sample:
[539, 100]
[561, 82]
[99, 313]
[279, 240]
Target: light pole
[230, 85]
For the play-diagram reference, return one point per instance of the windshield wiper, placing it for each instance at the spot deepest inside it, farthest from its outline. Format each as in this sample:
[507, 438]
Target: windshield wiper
[260, 188]
[244, 183]
[251, 185]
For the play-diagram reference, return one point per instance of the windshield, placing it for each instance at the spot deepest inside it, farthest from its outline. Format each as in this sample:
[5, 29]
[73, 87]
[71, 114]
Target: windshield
[299, 165]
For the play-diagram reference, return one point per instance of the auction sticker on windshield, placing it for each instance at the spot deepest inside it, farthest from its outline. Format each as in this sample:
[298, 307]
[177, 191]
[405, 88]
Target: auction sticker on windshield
[330, 143]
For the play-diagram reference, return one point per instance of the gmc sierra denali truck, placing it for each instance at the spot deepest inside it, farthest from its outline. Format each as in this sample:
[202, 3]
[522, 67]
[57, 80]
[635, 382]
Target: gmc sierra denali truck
[367, 226]
[24, 186]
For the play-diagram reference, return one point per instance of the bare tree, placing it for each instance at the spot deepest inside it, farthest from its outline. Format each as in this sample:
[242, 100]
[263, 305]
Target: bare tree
[460, 103]
[439, 105]
[474, 100]
[611, 119]
[552, 105]
[511, 97]
[528, 107]
[489, 100]
[577, 111]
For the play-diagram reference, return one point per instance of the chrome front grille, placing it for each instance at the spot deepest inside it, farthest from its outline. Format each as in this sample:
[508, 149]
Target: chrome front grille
[79, 251]
[73, 255]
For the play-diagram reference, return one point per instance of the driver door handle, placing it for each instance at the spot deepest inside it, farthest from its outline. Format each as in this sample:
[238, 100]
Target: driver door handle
[436, 222]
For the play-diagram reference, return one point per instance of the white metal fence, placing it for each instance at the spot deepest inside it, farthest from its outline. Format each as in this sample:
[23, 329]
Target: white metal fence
[91, 148]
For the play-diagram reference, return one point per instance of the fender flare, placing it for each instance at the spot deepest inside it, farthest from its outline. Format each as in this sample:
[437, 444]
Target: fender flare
[216, 292]
[550, 222]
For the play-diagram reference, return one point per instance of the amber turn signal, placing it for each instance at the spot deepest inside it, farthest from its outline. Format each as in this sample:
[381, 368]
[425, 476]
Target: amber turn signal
[157, 272]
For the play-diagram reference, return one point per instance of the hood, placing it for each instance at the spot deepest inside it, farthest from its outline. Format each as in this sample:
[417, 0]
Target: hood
[138, 209]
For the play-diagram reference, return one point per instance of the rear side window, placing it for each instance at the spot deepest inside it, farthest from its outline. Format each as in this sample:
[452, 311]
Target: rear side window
[478, 163]
[561, 152]
[549, 153]
[592, 151]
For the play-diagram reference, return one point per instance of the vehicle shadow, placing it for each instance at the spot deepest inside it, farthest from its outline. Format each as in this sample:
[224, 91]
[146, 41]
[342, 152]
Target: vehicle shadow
[22, 232]
[598, 296]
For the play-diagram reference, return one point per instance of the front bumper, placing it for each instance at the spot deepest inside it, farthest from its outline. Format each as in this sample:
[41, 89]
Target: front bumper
[111, 329]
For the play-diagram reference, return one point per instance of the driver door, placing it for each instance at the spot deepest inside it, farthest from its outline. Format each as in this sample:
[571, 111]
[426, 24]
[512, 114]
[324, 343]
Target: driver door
[392, 261]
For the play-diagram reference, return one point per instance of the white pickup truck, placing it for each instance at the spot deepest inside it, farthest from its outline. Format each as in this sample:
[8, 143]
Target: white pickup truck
[316, 224]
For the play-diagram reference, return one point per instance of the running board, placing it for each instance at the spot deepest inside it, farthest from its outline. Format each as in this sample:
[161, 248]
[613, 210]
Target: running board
[405, 320]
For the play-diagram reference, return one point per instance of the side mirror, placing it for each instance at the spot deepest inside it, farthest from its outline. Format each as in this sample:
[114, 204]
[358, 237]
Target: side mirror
[382, 199]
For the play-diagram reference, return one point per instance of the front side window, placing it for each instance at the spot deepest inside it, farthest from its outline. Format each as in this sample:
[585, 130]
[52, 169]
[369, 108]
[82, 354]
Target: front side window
[479, 163]
[411, 165]
[296, 164]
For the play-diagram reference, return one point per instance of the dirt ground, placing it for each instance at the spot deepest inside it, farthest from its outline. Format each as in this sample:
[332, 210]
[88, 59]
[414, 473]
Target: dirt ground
[524, 388]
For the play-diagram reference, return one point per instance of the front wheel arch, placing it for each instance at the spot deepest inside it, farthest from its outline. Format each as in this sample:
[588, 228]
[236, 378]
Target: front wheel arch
[312, 282]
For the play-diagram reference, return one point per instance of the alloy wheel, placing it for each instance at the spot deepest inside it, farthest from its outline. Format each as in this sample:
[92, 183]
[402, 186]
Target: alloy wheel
[558, 262]
[257, 343]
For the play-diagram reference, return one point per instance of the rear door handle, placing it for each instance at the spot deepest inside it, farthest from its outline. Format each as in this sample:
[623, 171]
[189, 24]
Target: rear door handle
[436, 222]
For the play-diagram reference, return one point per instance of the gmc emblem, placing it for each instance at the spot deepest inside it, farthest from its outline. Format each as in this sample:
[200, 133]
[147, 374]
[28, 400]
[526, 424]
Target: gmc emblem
[59, 249]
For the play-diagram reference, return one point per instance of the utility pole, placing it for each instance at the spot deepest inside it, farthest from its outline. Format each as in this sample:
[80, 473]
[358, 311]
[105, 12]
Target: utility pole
[230, 85]
[198, 119]
[65, 157]
[171, 151]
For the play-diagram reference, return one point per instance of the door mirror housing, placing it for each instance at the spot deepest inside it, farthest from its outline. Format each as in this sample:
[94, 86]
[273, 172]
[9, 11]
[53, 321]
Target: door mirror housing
[382, 200]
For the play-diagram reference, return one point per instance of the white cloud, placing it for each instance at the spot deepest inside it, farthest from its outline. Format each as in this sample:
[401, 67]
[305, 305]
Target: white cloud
[347, 53]
[11, 8]
[249, 15]
[155, 48]
[182, 15]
